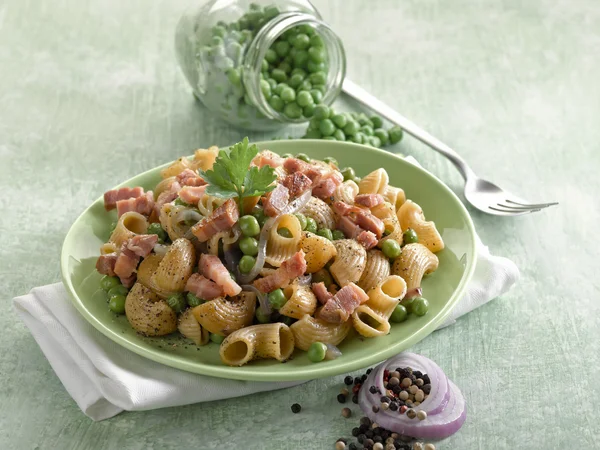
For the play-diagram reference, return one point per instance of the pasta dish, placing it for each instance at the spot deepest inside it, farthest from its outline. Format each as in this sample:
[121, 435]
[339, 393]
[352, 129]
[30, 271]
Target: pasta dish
[263, 254]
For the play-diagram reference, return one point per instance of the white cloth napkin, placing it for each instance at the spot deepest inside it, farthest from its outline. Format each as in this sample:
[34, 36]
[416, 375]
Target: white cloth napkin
[105, 378]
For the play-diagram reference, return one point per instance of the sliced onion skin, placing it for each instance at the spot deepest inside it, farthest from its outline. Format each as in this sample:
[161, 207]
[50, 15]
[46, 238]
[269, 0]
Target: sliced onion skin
[445, 405]
[262, 298]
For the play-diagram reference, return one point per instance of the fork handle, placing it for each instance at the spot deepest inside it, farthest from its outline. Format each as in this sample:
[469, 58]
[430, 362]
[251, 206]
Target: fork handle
[359, 94]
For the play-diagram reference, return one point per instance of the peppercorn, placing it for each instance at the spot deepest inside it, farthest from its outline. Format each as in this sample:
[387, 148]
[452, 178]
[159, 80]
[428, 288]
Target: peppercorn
[411, 413]
[419, 396]
[363, 378]
[394, 406]
[373, 389]
[374, 426]
[393, 381]
[390, 446]
[426, 379]
[385, 399]
[355, 431]
[369, 370]
[357, 380]
[355, 388]
[385, 406]
[403, 395]
[344, 391]
[361, 438]
[368, 443]
[395, 374]
[341, 398]
[406, 382]
[396, 390]
[413, 389]
[375, 409]
[369, 434]
[426, 388]
[339, 445]
[403, 409]
[418, 373]
[348, 380]
[429, 446]
[419, 382]
[417, 446]
[355, 399]
[365, 421]
[296, 408]
[377, 438]
[422, 415]
[377, 446]
[352, 446]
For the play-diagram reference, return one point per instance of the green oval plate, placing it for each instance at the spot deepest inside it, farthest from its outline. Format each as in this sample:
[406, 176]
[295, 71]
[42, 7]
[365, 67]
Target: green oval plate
[443, 288]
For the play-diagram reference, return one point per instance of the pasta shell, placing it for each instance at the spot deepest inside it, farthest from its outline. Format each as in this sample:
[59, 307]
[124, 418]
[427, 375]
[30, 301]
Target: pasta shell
[411, 215]
[414, 262]
[318, 251]
[176, 267]
[349, 263]
[308, 330]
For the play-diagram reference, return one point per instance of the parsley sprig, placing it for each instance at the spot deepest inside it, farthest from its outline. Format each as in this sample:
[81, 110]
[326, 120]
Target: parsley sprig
[231, 175]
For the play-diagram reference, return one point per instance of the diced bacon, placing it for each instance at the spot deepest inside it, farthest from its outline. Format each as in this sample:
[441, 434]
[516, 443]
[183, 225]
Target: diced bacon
[349, 228]
[192, 194]
[369, 200]
[190, 178]
[276, 200]
[143, 204]
[202, 287]
[343, 209]
[367, 239]
[291, 268]
[268, 158]
[211, 267]
[342, 304]
[142, 244]
[167, 196]
[106, 264]
[321, 292]
[312, 171]
[326, 185]
[297, 183]
[369, 222]
[222, 219]
[112, 197]
[131, 252]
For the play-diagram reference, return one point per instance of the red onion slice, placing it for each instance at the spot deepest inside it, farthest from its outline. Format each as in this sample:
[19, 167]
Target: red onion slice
[160, 249]
[332, 352]
[445, 405]
[290, 208]
[262, 298]
[305, 280]
[413, 292]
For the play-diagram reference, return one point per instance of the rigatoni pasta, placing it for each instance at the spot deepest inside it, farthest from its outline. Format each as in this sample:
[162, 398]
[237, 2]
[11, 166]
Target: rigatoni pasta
[223, 316]
[376, 270]
[129, 224]
[309, 330]
[301, 301]
[274, 340]
[281, 247]
[320, 211]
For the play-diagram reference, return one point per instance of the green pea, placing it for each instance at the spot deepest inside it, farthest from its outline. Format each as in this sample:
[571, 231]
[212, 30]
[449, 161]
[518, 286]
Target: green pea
[261, 315]
[281, 48]
[287, 320]
[177, 302]
[304, 98]
[247, 263]
[317, 351]
[318, 78]
[313, 134]
[321, 88]
[285, 232]
[233, 50]
[326, 233]
[299, 71]
[396, 134]
[117, 304]
[316, 95]
[245, 36]
[287, 155]
[316, 54]
[216, 338]
[326, 127]
[219, 30]
[374, 141]
[224, 63]
[192, 300]
[330, 160]
[265, 88]
[399, 314]
[180, 202]
[348, 173]
[322, 112]
[272, 83]
[249, 225]
[366, 129]
[304, 86]
[419, 306]
[316, 41]
[288, 94]
[249, 246]
[351, 128]
[359, 137]
[340, 120]
[407, 303]
[278, 75]
[107, 283]
[296, 80]
[322, 275]
[279, 88]
[383, 135]
[277, 298]
[301, 41]
[302, 219]
[339, 135]
[234, 77]
[376, 121]
[410, 237]
[301, 58]
[276, 103]
[362, 119]
[293, 111]
[271, 56]
[311, 225]
[270, 11]
[303, 157]
[119, 289]
[391, 248]
[285, 66]
[329, 138]
[309, 110]
[155, 228]
[337, 235]
[313, 66]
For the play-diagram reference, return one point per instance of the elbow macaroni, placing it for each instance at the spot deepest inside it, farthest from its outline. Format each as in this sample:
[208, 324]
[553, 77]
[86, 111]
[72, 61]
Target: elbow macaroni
[273, 340]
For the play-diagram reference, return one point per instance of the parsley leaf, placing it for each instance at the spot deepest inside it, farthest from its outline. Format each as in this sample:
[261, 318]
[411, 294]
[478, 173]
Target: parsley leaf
[231, 175]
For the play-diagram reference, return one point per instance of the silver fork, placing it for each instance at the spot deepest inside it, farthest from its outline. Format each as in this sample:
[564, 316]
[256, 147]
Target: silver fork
[482, 194]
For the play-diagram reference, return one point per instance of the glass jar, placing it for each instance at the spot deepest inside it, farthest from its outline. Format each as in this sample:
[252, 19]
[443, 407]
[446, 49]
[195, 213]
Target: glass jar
[249, 61]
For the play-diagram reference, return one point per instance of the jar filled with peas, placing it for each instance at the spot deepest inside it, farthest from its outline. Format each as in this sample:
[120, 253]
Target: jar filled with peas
[260, 64]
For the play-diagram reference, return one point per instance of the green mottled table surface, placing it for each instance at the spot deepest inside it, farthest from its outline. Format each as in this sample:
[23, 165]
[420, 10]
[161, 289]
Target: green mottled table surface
[90, 95]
